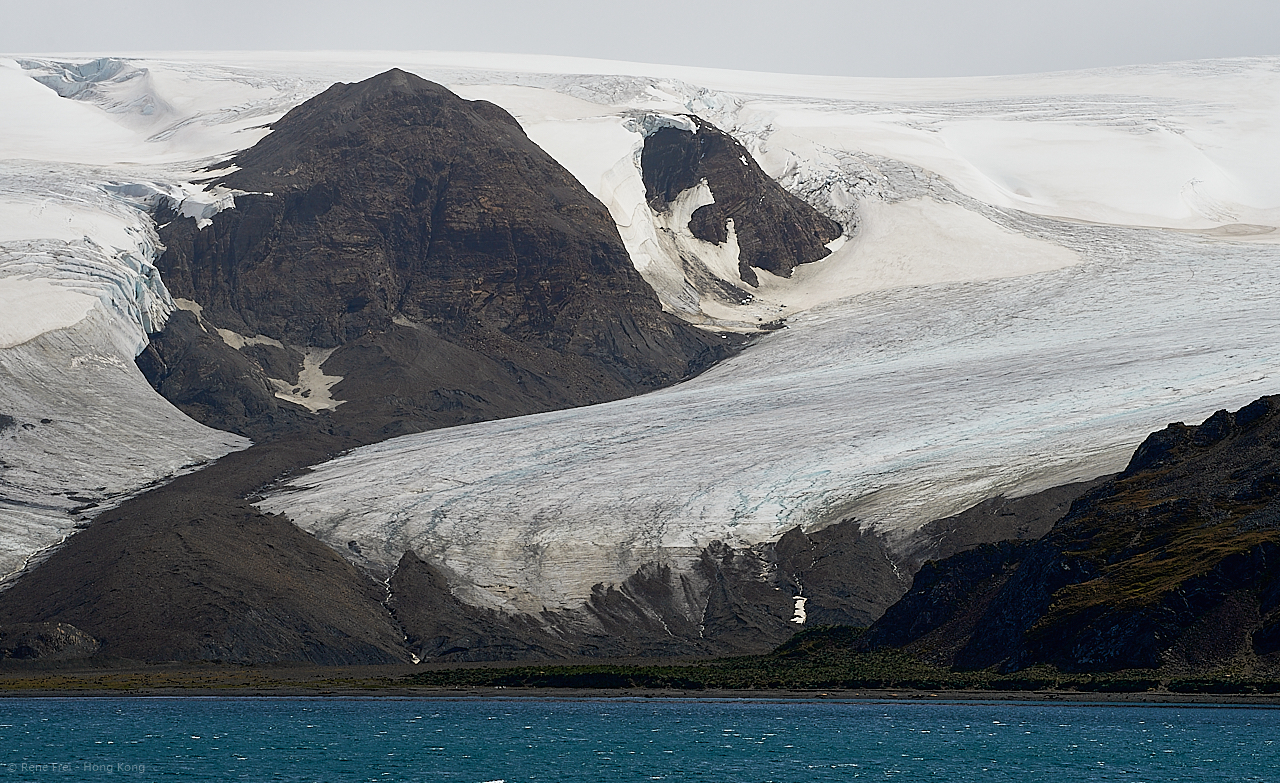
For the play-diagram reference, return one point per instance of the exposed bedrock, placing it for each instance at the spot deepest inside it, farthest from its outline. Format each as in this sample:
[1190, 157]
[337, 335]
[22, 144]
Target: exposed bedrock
[192, 367]
[732, 600]
[400, 259]
[775, 231]
[729, 600]
[1174, 562]
[993, 520]
[45, 642]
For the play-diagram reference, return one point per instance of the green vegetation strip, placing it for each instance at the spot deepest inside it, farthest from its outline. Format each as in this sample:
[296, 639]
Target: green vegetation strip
[824, 658]
[818, 659]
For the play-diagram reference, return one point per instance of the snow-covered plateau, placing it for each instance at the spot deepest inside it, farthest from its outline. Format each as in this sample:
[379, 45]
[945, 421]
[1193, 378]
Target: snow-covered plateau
[1042, 270]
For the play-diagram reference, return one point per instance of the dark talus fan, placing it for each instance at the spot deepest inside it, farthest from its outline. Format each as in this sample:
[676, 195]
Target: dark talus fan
[190, 571]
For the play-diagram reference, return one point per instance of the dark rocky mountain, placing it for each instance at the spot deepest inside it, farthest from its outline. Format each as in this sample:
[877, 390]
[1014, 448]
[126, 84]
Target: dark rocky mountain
[776, 231]
[421, 247]
[1174, 562]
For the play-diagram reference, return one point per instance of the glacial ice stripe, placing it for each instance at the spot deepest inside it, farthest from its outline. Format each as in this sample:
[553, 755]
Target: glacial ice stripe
[894, 407]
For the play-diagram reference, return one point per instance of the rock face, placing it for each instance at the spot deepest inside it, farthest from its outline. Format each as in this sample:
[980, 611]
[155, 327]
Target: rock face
[401, 259]
[775, 231]
[191, 366]
[45, 642]
[734, 600]
[1175, 561]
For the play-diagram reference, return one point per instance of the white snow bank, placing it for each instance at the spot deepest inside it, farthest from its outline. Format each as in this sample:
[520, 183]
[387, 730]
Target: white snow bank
[38, 124]
[33, 307]
[1144, 175]
[914, 242]
[1198, 167]
[589, 148]
[50, 218]
[800, 616]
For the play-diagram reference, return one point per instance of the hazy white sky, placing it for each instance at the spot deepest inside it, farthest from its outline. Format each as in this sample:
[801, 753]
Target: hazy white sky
[838, 37]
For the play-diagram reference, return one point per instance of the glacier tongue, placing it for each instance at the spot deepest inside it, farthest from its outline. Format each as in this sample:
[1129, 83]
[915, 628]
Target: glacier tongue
[87, 432]
[86, 427]
[78, 296]
[895, 407]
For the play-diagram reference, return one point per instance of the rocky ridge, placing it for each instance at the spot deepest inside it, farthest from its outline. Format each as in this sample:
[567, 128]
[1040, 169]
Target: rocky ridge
[1174, 562]
[773, 230]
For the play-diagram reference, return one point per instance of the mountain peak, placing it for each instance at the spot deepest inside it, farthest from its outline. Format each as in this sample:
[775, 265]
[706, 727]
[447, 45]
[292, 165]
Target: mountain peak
[391, 223]
[394, 80]
[395, 115]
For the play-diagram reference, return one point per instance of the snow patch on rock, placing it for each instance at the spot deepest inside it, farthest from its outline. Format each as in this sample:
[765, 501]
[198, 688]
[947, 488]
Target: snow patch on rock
[800, 617]
[312, 391]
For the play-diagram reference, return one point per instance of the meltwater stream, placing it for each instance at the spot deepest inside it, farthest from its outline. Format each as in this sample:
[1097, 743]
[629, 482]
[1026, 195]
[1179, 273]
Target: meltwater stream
[602, 740]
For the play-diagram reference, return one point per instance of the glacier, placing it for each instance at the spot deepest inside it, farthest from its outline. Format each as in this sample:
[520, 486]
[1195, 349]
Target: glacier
[1043, 269]
[78, 295]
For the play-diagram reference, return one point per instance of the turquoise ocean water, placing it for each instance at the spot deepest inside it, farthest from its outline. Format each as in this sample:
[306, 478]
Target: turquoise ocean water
[607, 740]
